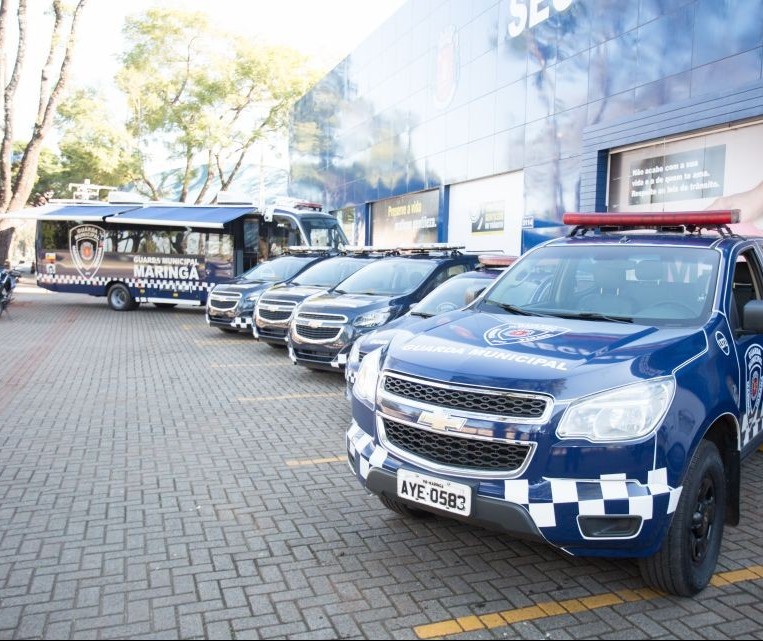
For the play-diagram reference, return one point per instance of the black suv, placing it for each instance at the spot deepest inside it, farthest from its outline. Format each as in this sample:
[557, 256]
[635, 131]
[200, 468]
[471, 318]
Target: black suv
[230, 306]
[277, 304]
[325, 326]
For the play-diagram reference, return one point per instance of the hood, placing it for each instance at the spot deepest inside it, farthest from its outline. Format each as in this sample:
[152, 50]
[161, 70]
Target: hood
[565, 358]
[288, 292]
[243, 287]
[348, 304]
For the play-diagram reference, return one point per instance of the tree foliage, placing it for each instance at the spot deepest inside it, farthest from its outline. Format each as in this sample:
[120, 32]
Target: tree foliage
[203, 98]
[92, 145]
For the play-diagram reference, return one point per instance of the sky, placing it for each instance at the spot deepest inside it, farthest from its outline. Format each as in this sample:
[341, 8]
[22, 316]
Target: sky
[325, 30]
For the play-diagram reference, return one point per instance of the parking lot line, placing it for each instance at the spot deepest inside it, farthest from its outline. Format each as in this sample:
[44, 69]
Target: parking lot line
[316, 461]
[555, 608]
[287, 397]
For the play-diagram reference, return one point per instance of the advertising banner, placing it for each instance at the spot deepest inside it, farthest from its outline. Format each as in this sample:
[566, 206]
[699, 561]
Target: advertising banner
[406, 220]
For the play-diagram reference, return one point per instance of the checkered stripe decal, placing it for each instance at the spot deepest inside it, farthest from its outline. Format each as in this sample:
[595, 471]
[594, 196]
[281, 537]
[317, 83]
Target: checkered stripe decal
[102, 281]
[242, 322]
[555, 502]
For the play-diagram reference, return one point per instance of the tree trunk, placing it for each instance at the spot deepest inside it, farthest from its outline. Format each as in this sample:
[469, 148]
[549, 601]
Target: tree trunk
[9, 95]
[48, 104]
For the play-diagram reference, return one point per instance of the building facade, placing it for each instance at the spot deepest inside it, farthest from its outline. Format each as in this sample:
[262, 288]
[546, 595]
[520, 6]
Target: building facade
[469, 121]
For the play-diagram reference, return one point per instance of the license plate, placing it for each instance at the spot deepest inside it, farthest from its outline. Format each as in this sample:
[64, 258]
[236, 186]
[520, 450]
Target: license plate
[434, 492]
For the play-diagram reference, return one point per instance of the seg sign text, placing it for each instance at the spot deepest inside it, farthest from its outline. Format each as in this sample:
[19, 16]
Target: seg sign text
[526, 14]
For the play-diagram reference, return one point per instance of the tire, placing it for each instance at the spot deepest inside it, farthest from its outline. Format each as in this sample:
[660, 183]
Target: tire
[686, 561]
[403, 508]
[120, 299]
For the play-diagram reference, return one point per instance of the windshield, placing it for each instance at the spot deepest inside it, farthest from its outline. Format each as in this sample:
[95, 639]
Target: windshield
[450, 295]
[649, 285]
[278, 269]
[329, 272]
[323, 231]
[389, 277]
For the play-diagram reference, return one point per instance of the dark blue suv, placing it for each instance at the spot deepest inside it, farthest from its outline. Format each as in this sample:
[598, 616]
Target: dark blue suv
[599, 397]
[324, 327]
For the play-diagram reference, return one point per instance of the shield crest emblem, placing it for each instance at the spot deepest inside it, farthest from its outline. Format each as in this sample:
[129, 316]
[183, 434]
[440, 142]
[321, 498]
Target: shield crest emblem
[86, 246]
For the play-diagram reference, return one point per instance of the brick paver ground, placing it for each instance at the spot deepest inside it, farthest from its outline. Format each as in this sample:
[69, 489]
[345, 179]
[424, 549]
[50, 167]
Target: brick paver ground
[160, 479]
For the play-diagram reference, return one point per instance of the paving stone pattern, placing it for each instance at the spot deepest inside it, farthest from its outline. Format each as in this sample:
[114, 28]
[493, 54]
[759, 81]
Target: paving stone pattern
[160, 479]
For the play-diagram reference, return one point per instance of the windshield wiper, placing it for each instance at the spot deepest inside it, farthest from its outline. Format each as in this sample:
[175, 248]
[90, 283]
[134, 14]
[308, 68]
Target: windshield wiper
[422, 314]
[597, 316]
[514, 309]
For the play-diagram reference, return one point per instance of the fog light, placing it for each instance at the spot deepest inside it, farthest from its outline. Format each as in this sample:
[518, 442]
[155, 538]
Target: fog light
[609, 527]
[351, 463]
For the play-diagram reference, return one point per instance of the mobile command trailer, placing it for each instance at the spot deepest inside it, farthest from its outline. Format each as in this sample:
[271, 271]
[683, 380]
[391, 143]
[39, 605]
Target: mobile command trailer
[164, 253]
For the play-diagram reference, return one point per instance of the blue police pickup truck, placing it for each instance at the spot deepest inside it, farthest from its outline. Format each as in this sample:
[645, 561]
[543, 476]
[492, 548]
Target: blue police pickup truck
[600, 396]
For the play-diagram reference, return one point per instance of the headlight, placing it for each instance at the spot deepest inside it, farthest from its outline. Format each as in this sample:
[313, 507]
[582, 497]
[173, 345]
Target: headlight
[353, 359]
[368, 377]
[374, 318]
[629, 412]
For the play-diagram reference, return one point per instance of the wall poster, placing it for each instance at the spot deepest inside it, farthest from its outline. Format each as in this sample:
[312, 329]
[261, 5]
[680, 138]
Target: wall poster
[713, 170]
[486, 215]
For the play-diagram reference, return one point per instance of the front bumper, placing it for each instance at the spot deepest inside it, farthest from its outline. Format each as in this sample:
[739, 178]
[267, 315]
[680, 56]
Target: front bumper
[559, 511]
[328, 355]
[239, 321]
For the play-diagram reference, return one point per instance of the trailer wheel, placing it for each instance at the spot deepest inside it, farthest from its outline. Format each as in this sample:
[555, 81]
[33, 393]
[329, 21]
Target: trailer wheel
[120, 299]
[688, 556]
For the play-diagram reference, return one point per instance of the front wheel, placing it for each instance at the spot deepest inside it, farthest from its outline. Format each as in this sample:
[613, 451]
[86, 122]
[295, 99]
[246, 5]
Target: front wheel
[120, 299]
[688, 556]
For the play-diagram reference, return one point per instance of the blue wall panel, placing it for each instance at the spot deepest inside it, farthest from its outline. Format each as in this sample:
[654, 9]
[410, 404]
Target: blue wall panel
[449, 90]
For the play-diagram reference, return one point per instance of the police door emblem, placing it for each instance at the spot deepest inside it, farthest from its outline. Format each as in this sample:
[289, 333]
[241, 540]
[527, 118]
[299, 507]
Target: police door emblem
[752, 421]
[86, 245]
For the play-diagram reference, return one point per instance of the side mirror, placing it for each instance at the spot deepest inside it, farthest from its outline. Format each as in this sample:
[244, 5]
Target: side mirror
[752, 317]
[472, 294]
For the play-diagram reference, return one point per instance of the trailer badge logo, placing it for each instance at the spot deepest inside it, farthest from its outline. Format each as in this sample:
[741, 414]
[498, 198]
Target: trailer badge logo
[511, 333]
[86, 245]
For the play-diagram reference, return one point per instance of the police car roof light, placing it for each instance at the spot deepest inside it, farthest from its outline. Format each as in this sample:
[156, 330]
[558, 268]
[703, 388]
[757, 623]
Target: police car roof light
[496, 260]
[648, 220]
[365, 249]
[660, 220]
[426, 248]
[308, 249]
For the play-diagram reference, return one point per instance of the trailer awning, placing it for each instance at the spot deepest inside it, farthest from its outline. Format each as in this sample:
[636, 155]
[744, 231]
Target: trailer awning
[214, 217]
[63, 211]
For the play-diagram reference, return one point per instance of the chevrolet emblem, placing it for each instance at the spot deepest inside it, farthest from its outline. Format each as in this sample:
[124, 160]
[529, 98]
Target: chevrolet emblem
[441, 421]
[314, 323]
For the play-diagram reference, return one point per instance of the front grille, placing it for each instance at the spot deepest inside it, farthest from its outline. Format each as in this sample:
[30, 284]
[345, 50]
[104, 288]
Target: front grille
[224, 302]
[318, 333]
[272, 332]
[505, 404]
[329, 318]
[460, 452]
[313, 355]
[273, 314]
